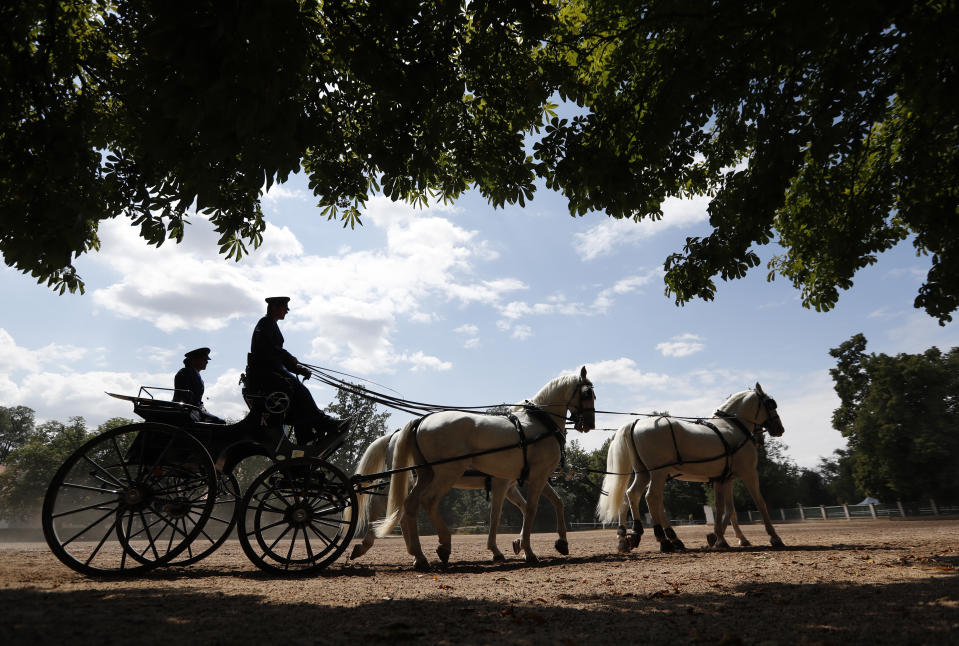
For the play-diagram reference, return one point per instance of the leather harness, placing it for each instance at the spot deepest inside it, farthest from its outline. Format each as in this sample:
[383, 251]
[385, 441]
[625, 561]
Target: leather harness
[728, 451]
[524, 442]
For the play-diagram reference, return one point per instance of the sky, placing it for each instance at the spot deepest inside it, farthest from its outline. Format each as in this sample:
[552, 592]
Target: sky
[457, 305]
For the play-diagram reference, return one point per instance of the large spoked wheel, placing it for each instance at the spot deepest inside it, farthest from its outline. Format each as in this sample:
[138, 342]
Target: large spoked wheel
[297, 517]
[117, 505]
[218, 526]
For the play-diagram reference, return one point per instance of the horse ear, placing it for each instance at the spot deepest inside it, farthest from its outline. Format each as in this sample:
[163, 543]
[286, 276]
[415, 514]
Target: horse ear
[582, 373]
[759, 389]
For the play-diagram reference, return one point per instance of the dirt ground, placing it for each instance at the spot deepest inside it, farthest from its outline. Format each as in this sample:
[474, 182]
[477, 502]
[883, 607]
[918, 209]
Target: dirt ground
[836, 582]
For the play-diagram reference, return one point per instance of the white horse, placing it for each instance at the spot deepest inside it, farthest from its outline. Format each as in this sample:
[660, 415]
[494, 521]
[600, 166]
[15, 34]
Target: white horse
[716, 450]
[525, 445]
[378, 458]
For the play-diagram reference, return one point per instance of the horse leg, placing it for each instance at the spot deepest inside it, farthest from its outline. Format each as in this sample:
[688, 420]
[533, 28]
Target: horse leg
[654, 500]
[498, 487]
[408, 519]
[533, 491]
[442, 482]
[751, 480]
[634, 495]
[377, 509]
[734, 519]
[561, 545]
[722, 492]
[671, 535]
[515, 497]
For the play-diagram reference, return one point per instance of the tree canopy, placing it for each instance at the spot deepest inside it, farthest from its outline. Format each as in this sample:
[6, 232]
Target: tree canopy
[828, 128]
[899, 414]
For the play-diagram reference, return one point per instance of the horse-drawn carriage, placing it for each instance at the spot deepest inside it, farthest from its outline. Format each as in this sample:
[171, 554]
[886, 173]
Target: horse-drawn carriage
[163, 492]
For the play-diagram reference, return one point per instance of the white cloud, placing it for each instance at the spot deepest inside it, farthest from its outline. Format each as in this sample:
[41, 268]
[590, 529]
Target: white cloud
[14, 358]
[611, 233]
[681, 346]
[806, 409]
[918, 333]
[471, 332]
[420, 361]
[351, 309]
[521, 332]
[623, 371]
[279, 192]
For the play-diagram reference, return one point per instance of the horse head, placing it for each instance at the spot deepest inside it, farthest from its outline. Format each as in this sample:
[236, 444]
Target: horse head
[767, 415]
[581, 404]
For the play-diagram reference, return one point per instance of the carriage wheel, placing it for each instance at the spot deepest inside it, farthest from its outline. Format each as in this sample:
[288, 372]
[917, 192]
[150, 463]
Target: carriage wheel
[297, 516]
[218, 526]
[117, 503]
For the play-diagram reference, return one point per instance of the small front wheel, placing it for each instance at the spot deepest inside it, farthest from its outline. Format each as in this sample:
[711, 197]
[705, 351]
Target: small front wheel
[297, 517]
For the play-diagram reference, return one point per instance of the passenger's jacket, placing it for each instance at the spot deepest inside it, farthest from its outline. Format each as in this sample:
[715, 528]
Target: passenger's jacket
[188, 387]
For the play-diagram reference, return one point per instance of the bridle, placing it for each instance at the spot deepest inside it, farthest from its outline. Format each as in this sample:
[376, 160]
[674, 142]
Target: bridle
[585, 391]
[586, 394]
[769, 405]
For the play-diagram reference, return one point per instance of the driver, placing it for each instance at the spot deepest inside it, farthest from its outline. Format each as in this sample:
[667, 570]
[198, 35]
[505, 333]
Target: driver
[188, 385]
[270, 366]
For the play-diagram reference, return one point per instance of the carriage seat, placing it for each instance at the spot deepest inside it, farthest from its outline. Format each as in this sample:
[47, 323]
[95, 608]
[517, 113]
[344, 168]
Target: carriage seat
[166, 412]
[270, 401]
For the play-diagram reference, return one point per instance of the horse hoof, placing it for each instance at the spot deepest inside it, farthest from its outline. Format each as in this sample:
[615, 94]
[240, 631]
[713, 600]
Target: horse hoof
[633, 540]
[516, 546]
[623, 547]
[444, 553]
[561, 546]
[775, 541]
[358, 551]
[744, 543]
[531, 559]
[499, 558]
[666, 547]
[421, 565]
[711, 539]
[679, 545]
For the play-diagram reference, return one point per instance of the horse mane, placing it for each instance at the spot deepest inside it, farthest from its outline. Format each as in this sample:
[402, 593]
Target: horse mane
[546, 394]
[732, 402]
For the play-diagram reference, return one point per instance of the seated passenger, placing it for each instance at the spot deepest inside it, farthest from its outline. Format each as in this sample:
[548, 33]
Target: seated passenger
[271, 367]
[188, 385]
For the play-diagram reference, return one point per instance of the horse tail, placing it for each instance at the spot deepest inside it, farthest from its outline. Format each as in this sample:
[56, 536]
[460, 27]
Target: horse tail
[400, 480]
[373, 461]
[618, 470]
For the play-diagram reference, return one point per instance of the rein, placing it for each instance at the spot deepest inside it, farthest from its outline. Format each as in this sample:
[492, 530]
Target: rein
[414, 407]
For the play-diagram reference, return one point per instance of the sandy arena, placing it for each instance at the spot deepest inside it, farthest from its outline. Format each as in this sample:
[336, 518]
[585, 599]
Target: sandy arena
[837, 582]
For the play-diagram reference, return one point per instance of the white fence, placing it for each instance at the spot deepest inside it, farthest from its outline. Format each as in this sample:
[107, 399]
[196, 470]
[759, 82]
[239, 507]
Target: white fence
[849, 512]
[801, 513]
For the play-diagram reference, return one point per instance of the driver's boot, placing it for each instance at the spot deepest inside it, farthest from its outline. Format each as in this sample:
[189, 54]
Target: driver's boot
[330, 434]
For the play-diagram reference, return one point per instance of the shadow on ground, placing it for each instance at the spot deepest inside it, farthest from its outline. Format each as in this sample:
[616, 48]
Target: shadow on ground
[924, 612]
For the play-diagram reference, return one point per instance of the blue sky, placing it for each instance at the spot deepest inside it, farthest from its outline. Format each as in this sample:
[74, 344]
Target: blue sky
[461, 305]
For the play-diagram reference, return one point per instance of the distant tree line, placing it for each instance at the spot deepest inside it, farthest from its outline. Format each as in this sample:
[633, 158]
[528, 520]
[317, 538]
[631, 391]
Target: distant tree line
[898, 413]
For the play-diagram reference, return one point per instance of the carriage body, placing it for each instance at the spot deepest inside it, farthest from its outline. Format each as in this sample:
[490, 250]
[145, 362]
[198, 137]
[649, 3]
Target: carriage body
[162, 492]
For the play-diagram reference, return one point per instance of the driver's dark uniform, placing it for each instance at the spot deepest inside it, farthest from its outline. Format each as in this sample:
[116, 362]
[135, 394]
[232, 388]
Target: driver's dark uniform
[268, 369]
